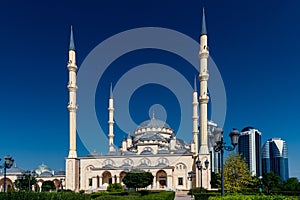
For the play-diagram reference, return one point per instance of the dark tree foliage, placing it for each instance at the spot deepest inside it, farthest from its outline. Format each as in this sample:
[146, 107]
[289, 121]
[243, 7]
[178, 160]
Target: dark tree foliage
[215, 180]
[270, 181]
[25, 182]
[48, 186]
[292, 184]
[138, 179]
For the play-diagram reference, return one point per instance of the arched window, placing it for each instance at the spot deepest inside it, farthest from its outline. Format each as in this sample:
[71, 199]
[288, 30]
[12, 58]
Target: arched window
[108, 162]
[128, 161]
[162, 161]
[145, 162]
[180, 166]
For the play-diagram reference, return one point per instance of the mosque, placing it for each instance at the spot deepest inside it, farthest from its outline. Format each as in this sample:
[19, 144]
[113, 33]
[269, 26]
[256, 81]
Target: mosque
[153, 147]
[42, 173]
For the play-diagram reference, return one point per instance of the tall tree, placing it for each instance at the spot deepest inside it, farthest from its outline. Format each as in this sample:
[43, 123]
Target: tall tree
[25, 182]
[138, 179]
[270, 181]
[237, 175]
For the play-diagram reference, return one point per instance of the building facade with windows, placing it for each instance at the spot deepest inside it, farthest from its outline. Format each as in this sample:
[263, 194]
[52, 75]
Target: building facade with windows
[275, 158]
[249, 147]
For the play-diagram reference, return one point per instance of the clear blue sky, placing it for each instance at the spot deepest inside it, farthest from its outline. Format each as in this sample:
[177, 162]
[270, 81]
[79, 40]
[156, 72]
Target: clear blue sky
[255, 45]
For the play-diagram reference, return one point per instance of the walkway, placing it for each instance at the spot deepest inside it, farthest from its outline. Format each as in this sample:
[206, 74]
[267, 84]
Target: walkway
[182, 195]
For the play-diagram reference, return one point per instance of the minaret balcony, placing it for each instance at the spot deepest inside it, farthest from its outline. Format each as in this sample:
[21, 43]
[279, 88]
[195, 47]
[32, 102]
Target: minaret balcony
[72, 67]
[203, 99]
[72, 88]
[72, 108]
[203, 76]
[203, 54]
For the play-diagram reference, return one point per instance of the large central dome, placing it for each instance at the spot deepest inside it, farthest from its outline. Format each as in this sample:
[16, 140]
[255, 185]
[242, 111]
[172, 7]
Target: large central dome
[154, 126]
[154, 123]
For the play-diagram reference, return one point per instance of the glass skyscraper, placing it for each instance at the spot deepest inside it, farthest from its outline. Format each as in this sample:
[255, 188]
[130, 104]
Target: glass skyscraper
[275, 158]
[249, 147]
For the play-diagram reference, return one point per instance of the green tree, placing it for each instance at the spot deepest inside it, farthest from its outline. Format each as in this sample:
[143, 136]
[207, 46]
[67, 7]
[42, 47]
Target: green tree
[48, 186]
[237, 176]
[25, 182]
[292, 184]
[270, 181]
[138, 179]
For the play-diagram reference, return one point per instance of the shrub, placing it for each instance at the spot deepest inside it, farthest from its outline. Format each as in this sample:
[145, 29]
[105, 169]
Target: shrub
[116, 187]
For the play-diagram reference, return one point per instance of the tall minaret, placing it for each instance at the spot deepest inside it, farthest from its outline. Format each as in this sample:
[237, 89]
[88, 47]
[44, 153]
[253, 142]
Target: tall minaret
[203, 78]
[111, 121]
[195, 118]
[72, 107]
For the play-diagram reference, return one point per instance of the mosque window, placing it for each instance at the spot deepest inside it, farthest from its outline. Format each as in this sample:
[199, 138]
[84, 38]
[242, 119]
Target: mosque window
[128, 162]
[163, 161]
[108, 162]
[90, 182]
[148, 149]
[180, 181]
[145, 161]
[180, 166]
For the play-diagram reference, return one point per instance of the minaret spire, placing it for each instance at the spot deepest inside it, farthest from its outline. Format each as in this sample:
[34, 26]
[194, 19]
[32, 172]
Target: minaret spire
[111, 92]
[72, 45]
[203, 30]
[195, 118]
[195, 84]
[72, 106]
[111, 121]
[203, 97]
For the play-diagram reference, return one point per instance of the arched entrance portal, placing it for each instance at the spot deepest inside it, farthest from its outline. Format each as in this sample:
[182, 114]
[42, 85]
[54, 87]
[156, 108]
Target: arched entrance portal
[106, 178]
[122, 175]
[9, 185]
[161, 178]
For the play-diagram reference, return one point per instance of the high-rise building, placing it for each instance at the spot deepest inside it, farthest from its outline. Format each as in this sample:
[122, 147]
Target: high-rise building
[249, 147]
[275, 158]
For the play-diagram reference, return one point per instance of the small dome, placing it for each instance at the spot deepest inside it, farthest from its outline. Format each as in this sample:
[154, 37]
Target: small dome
[46, 174]
[60, 173]
[146, 152]
[43, 167]
[15, 169]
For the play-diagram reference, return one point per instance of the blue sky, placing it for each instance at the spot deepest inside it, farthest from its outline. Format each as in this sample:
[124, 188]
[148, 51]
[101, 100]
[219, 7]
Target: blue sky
[255, 45]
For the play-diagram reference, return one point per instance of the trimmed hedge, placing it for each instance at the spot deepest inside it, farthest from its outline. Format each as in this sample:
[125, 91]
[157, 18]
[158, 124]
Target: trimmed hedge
[44, 196]
[164, 195]
[254, 197]
[151, 196]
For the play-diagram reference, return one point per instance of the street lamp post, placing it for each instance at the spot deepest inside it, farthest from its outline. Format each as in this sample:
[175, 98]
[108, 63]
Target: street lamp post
[8, 162]
[200, 168]
[190, 177]
[220, 146]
